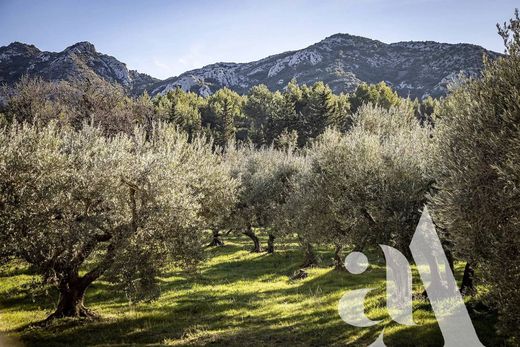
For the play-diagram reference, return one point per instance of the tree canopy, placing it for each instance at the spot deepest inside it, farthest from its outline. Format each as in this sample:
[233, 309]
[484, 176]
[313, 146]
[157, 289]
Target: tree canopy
[126, 204]
[477, 171]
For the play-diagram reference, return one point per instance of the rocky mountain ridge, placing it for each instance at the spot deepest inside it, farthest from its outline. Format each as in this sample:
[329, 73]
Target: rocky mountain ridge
[343, 61]
[415, 68]
[76, 62]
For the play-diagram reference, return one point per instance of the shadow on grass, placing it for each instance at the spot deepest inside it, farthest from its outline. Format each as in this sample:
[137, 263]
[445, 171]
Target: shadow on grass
[204, 308]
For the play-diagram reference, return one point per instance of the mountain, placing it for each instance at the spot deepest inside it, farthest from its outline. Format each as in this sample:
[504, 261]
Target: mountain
[343, 61]
[76, 62]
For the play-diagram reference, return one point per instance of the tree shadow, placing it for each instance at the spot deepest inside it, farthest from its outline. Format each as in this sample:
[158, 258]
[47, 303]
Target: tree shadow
[250, 317]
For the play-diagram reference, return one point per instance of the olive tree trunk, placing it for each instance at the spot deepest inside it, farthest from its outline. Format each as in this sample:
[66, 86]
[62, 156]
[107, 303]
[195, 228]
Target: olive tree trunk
[72, 287]
[71, 300]
[216, 241]
[270, 244]
[338, 262]
[467, 286]
[310, 257]
[256, 242]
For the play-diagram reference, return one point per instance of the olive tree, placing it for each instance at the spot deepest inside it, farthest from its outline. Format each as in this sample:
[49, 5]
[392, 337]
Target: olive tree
[76, 205]
[477, 170]
[366, 186]
[404, 173]
[279, 168]
[264, 175]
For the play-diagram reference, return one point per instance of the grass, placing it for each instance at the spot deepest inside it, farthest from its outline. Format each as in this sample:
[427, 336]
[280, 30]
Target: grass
[235, 299]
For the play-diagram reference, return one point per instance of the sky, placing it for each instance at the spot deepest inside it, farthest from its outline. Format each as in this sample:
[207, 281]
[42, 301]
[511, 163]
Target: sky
[165, 38]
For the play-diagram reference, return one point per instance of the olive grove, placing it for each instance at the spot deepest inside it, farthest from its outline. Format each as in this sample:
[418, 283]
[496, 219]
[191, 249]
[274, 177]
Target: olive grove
[97, 185]
[76, 205]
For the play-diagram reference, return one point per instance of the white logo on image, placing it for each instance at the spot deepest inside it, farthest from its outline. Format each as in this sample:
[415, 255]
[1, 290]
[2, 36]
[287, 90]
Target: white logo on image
[441, 288]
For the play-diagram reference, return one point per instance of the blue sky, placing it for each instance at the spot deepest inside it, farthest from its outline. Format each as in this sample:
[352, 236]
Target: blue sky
[166, 38]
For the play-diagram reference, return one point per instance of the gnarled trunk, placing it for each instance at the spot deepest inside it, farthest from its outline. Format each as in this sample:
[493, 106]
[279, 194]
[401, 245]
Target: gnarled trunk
[451, 259]
[338, 262]
[270, 244]
[216, 240]
[72, 295]
[311, 259]
[72, 287]
[467, 286]
[249, 232]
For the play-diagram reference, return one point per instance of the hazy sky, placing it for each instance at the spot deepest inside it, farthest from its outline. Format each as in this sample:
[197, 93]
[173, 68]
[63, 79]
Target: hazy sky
[166, 38]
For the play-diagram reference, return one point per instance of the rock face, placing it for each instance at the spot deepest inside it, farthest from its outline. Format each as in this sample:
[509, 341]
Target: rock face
[417, 69]
[76, 62]
[343, 61]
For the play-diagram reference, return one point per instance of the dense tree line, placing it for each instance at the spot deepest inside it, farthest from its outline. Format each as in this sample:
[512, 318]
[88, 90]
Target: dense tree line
[264, 117]
[298, 114]
[93, 183]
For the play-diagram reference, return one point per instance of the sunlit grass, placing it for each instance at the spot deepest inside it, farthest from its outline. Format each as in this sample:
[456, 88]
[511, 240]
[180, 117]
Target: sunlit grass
[235, 298]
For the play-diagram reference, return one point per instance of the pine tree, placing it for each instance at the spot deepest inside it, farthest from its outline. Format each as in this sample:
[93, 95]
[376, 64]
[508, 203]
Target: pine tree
[222, 115]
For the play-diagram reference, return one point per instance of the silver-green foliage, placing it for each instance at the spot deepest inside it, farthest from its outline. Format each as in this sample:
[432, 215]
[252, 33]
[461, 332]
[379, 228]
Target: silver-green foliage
[478, 175]
[121, 205]
[265, 176]
[367, 185]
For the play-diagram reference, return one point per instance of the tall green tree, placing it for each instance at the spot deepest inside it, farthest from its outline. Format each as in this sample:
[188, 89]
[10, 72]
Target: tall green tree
[183, 109]
[378, 94]
[262, 109]
[223, 114]
[319, 112]
[307, 111]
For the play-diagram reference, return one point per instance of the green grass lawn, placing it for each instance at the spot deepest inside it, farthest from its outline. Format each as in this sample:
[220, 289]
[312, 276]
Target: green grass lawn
[236, 298]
